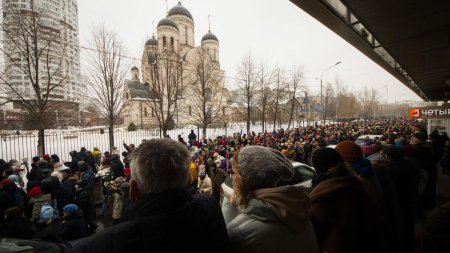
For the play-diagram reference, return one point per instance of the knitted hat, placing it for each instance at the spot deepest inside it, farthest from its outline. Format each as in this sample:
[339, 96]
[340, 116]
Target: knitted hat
[36, 191]
[349, 151]
[325, 158]
[71, 208]
[264, 167]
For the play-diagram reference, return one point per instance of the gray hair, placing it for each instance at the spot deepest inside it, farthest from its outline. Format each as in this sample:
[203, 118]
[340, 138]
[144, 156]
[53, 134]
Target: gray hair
[160, 165]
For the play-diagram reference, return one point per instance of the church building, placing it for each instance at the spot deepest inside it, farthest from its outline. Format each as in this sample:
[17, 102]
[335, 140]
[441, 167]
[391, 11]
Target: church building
[175, 34]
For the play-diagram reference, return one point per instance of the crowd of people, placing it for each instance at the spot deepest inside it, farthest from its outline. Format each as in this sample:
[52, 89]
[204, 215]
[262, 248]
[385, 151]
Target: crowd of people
[364, 197]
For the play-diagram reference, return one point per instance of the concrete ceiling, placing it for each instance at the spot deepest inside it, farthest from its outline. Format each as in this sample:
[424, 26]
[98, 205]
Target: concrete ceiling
[408, 38]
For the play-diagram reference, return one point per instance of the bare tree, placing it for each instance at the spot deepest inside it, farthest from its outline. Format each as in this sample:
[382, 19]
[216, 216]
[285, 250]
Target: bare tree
[368, 100]
[33, 49]
[328, 102]
[279, 93]
[294, 90]
[246, 87]
[347, 105]
[106, 76]
[266, 76]
[207, 96]
[164, 73]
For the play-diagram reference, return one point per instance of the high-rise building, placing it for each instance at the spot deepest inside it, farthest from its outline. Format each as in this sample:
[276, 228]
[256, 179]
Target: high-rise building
[58, 43]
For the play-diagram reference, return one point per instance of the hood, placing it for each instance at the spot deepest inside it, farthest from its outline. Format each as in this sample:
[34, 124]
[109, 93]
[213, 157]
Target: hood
[290, 204]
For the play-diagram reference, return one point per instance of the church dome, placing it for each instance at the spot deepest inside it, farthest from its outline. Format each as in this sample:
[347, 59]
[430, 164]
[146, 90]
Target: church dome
[210, 36]
[152, 41]
[167, 22]
[180, 10]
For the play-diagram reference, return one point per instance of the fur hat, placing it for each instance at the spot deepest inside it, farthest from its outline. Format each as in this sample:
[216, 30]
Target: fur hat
[325, 158]
[264, 167]
[349, 151]
[36, 191]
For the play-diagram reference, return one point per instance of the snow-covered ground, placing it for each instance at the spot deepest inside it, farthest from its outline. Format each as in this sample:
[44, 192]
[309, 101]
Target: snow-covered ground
[61, 142]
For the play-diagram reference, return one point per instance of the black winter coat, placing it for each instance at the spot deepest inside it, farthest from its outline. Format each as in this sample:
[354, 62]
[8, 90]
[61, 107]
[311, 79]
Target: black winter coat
[10, 196]
[406, 181]
[171, 221]
[73, 228]
[83, 199]
[90, 160]
[117, 168]
[66, 193]
[50, 185]
[17, 227]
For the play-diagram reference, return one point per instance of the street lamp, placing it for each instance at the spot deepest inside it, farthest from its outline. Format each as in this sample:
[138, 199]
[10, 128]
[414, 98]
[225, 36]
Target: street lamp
[321, 97]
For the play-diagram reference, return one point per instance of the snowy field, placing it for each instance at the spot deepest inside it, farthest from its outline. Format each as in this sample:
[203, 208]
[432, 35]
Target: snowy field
[61, 142]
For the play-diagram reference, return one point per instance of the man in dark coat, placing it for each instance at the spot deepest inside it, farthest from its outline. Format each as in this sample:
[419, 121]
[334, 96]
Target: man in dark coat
[17, 225]
[66, 190]
[164, 216]
[422, 158]
[50, 184]
[90, 160]
[406, 180]
[116, 166]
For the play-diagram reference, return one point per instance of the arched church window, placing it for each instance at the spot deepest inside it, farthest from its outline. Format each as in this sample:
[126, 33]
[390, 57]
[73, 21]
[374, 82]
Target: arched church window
[126, 95]
[186, 33]
[172, 43]
[145, 111]
[164, 41]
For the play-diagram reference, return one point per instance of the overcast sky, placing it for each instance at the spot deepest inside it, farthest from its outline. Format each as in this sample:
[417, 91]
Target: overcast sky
[274, 31]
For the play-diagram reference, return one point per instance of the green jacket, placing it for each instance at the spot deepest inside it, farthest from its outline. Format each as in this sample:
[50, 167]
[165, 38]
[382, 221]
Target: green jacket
[37, 205]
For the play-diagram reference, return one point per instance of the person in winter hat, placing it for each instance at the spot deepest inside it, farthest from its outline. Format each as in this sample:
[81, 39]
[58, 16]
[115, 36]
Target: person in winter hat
[164, 216]
[328, 164]
[73, 226]
[274, 215]
[17, 225]
[10, 196]
[44, 230]
[204, 182]
[353, 154]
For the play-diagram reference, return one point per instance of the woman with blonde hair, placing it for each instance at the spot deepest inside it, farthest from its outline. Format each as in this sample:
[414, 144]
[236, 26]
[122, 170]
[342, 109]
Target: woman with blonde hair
[274, 214]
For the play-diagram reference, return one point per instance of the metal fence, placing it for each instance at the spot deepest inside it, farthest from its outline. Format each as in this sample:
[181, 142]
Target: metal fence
[61, 142]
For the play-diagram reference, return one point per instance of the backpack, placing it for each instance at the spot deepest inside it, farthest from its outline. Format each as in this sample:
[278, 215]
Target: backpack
[47, 214]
